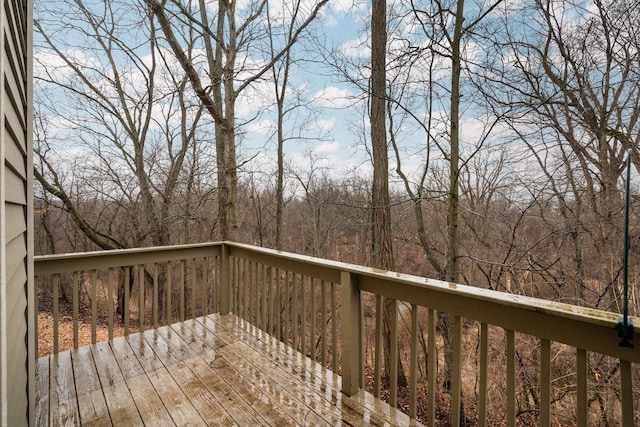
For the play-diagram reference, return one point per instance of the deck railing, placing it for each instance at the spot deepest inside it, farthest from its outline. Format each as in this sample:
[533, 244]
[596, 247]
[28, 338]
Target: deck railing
[543, 356]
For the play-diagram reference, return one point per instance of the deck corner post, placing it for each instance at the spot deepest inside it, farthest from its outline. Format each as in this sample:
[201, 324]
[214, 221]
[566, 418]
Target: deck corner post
[225, 280]
[351, 327]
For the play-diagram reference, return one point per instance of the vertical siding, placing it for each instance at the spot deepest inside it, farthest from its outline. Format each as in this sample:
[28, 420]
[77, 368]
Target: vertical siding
[16, 288]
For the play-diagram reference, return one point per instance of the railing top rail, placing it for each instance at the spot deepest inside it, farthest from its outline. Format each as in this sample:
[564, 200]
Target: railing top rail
[376, 275]
[582, 327]
[82, 261]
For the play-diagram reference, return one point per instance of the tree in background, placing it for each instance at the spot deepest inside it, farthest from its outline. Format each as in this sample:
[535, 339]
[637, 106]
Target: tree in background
[229, 37]
[569, 87]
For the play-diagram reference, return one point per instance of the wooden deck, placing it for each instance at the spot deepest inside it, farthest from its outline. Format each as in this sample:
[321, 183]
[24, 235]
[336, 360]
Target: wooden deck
[209, 371]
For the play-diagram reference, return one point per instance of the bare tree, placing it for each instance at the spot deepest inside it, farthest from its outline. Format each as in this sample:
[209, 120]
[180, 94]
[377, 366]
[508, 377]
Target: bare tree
[126, 113]
[573, 86]
[228, 71]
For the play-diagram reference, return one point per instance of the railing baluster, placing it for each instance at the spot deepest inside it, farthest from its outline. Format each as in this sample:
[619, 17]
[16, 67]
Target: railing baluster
[76, 307]
[303, 316]
[155, 295]
[334, 330]
[252, 293]
[168, 292]
[626, 393]
[194, 287]
[312, 339]
[241, 288]
[257, 292]
[456, 374]
[393, 353]
[235, 286]
[205, 286]
[94, 307]
[56, 311]
[484, 353]
[127, 291]
[294, 307]
[141, 297]
[246, 290]
[110, 302]
[432, 359]
[377, 362]
[581, 387]
[361, 339]
[220, 277]
[238, 286]
[182, 292]
[271, 315]
[265, 289]
[278, 319]
[511, 377]
[350, 334]
[260, 293]
[223, 297]
[413, 369]
[323, 289]
[287, 305]
[545, 382]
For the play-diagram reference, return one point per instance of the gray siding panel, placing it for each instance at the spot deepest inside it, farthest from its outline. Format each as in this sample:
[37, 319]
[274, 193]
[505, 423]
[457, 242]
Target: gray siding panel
[14, 120]
[15, 188]
[15, 192]
[17, 246]
[14, 158]
[16, 224]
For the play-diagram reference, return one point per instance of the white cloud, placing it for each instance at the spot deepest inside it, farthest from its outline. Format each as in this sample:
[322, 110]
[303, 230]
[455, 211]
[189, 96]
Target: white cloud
[356, 48]
[261, 127]
[327, 147]
[49, 65]
[333, 97]
[324, 125]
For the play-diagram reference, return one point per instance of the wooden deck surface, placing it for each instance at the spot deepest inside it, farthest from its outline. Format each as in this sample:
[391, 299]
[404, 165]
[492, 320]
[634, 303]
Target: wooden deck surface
[209, 371]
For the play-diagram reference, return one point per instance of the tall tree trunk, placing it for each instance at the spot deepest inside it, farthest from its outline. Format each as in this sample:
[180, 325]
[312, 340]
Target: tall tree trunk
[446, 319]
[382, 250]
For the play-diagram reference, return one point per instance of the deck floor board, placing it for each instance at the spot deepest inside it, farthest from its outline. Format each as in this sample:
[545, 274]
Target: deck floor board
[214, 370]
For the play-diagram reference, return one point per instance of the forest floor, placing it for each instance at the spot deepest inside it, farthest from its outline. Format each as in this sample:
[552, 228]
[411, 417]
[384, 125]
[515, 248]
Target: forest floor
[65, 333]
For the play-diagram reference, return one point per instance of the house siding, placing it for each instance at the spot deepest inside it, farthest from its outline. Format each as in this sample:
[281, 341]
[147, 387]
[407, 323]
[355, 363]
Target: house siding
[17, 300]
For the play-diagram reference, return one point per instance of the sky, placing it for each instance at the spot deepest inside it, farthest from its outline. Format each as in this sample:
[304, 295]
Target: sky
[331, 138]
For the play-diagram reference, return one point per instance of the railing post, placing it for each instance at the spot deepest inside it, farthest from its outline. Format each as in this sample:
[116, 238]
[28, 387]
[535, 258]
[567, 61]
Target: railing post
[351, 327]
[225, 280]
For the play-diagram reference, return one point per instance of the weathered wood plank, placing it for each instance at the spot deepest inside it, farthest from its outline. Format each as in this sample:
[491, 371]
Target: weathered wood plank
[42, 391]
[291, 402]
[177, 403]
[214, 370]
[301, 403]
[355, 410]
[62, 391]
[125, 356]
[169, 379]
[318, 379]
[144, 354]
[91, 401]
[120, 403]
[145, 396]
[148, 402]
[203, 385]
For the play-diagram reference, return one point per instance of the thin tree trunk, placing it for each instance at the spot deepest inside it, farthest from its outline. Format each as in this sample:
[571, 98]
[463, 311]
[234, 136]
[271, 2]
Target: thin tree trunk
[382, 250]
[446, 319]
